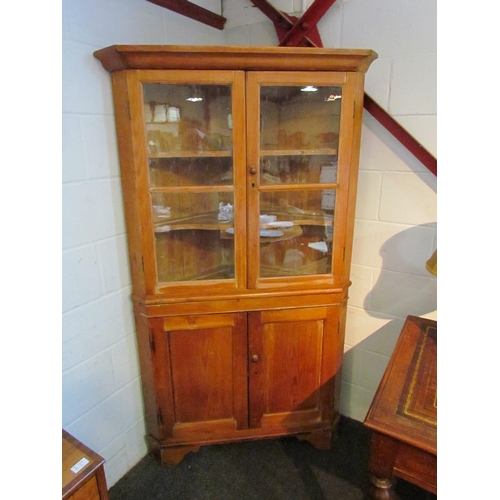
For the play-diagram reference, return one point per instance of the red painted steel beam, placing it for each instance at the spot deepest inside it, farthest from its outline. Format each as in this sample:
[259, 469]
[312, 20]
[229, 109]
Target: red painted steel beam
[193, 11]
[307, 23]
[400, 134]
[293, 32]
[283, 23]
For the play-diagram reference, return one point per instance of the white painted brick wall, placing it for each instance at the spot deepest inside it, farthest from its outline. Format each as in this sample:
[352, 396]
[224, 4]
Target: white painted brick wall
[395, 229]
[101, 391]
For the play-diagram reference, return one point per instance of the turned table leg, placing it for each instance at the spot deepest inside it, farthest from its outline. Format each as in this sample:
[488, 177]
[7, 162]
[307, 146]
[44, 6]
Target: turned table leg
[383, 452]
[380, 488]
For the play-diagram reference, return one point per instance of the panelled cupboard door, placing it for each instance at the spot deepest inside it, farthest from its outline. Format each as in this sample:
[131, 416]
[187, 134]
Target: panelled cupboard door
[299, 140]
[295, 357]
[201, 373]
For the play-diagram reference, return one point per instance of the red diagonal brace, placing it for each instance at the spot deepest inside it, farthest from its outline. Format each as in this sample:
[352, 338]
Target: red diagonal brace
[400, 134]
[307, 23]
[283, 23]
[193, 11]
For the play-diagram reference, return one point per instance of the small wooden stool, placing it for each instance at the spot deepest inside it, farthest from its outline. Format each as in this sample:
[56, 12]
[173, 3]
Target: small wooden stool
[403, 414]
[82, 471]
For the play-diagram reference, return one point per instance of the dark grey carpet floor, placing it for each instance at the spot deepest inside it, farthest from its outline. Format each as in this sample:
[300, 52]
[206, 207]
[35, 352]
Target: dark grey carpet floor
[271, 469]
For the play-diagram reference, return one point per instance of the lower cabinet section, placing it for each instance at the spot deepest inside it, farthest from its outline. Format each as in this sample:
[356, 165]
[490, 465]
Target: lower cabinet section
[241, 375]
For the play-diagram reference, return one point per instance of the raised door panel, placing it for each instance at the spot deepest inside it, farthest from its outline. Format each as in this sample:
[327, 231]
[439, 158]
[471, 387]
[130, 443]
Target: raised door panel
[201, 365]
[295, 356]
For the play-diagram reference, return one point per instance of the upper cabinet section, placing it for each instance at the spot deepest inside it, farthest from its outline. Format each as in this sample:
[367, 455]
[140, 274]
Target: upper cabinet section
[238, 165]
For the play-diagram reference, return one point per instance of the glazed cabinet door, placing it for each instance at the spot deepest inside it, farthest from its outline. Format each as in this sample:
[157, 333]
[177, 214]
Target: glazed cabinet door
[200, 364]
[186, 215]
[300, 139]
[295, 359]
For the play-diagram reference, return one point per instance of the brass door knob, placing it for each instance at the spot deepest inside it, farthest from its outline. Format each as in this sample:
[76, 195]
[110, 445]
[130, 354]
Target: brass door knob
[255, 358]
[253, 170]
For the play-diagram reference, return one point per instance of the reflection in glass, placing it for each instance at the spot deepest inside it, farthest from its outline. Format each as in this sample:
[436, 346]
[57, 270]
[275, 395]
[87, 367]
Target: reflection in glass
[177, 172]
[296, 120]
[296, 232]
[177, 121]
[189, 144]
[299, 138]
[298, 169]
[192, 241]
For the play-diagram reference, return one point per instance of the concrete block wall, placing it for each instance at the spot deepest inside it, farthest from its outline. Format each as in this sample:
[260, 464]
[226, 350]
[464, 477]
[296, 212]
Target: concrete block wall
[396, 221]
[101, 392]
[396, 214]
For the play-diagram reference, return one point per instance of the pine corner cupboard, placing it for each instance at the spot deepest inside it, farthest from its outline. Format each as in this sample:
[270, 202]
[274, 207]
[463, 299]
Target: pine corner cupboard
[239, 173]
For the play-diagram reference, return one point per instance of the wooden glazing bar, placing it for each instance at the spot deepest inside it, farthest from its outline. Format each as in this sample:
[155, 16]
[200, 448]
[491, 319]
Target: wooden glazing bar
[193, 189]
[297, 187]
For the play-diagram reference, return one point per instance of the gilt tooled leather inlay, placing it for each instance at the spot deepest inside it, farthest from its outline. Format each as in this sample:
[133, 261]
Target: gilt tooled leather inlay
[419, 397]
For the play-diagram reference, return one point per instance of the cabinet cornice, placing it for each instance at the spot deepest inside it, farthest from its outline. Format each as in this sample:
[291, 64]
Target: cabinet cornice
[120, 57]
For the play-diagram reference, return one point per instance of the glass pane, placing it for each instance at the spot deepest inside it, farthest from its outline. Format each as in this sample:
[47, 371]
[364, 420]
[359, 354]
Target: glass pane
[298, 169]
[187, 118]
[300, 118]
[299, 138]
[189, 144]
[177, 172]
[193, 236]
[296, 232]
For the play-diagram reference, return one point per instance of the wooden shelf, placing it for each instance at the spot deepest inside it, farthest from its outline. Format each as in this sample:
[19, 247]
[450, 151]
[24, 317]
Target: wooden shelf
[263, 153]
[192, 154]
[288, 233]
[313, 267]
[209, 222]
[298, 152]
[311, 220]
[222, 272]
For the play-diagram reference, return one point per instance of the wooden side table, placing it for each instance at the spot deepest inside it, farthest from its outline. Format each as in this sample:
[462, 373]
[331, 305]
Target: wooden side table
[403, 414]
[82, 471]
